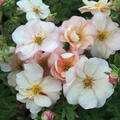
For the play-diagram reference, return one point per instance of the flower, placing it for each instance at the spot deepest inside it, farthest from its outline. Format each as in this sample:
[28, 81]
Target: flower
[47, 115]
[35, 36]
[78, 32]
[87, 84]
[113, 77]
[1, 1]
[35, 90]
[12, 65]
[64, 62]
[107, 37]
[94, 7]
[34, 9]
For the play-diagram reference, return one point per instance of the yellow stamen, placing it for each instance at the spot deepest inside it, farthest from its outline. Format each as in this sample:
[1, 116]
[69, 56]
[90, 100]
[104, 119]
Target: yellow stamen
[88, 82]
[97, 4]
[102, 35]
[36, 89]
[36, 10]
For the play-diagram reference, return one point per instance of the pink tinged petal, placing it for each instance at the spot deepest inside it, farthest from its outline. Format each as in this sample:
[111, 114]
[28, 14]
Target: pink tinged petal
[73, 94]
[42, 101]
[34, 109]
[34, 72]
[67, 55]
[89, 29]
[26, 51]
[22, 36]
[87, 99]
[22, 82]
[113, 40]
[50, 84]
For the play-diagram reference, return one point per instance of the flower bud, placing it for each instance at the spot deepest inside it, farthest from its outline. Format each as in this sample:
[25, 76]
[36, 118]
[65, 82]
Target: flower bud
[113, 77]
[47, 115]
[1, 1]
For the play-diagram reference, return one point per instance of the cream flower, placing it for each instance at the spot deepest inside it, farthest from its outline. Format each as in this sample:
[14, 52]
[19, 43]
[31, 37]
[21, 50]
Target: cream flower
[34, 9]
[94, 7]
[35, 36]
[36, 91]
[87, 84]
[107, 37]
[78, 32]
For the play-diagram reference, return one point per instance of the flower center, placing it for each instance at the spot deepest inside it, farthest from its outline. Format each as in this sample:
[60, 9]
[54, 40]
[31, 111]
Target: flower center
[66, 67]
[39, 38]
[88, 82]
[102, 35]
[97, 4]
[36, 89]
[36, 10]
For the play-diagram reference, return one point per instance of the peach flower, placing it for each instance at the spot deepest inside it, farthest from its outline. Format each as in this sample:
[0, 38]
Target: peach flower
[35, 36]
[64, 62]
[78, 32]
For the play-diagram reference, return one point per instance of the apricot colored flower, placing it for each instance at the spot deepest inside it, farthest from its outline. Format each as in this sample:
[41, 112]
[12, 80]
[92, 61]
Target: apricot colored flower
[107, 37]
[64, 62]
[35, 36]
[78, 32]
[35, 90]
[87, 84]
[94, 7]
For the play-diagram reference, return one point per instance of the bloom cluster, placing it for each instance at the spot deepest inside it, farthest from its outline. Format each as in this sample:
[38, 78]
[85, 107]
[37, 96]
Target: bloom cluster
[40, 67]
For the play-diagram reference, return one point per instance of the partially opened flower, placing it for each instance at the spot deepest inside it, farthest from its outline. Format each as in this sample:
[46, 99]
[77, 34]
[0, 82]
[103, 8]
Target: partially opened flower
[35, 90]
[47, 115]
[64, 62]
[107, 37]
[87, 84]
[78, 32]
[34, 9]
[94, 7]
[35, 36]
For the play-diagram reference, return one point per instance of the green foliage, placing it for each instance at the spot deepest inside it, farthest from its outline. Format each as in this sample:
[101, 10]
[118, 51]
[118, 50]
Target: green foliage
[10, 109]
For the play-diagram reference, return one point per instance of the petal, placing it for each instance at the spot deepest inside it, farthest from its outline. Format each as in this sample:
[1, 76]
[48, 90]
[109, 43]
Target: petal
[42, 101]
[31, 15]
[114, 41]
[96, 67]
[101, 50]
[5, 67]
[99, 21]
[22, 82]
[50, 84]
[73, 94]
[34, 72]
[87, 99]
[22, 35]
[33, 107]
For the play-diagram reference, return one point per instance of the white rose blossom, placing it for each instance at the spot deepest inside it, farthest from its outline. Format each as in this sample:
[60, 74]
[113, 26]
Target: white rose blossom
[34, 9]
[87, 84]
[36, 91]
